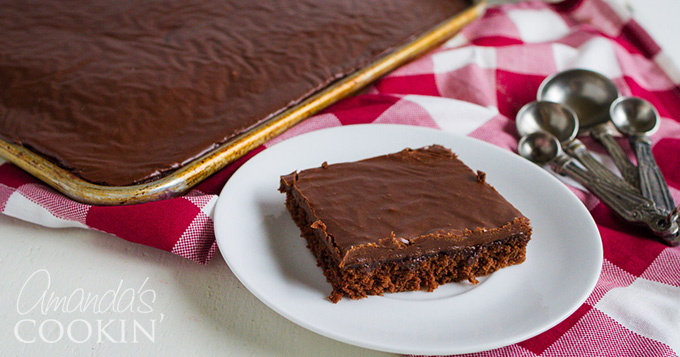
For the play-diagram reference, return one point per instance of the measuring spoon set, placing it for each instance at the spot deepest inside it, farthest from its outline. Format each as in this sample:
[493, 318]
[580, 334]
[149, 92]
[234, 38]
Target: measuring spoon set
[580, 102]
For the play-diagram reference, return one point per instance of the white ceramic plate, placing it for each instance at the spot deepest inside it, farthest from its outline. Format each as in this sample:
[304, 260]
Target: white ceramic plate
[263, 247]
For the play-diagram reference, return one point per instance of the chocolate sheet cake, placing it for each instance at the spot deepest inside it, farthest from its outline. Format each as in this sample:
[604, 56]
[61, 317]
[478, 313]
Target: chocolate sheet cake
[407, 221]
[120, 92]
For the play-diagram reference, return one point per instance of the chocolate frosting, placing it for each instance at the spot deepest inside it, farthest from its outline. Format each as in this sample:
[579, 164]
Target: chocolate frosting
[123, 91]
[400, 205]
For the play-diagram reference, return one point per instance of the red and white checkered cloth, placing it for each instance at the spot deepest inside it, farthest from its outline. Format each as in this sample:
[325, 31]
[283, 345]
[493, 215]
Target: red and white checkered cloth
[487, 73]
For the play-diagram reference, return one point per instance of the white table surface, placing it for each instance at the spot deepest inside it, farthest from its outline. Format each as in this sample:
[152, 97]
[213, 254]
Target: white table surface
[196, 310]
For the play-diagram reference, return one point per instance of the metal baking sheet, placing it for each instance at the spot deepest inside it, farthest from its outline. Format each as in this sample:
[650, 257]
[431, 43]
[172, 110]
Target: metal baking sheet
[181, 180]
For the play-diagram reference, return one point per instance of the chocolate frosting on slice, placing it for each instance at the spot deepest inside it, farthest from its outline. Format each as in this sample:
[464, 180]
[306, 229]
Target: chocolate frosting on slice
[405, 204]
[123, 91]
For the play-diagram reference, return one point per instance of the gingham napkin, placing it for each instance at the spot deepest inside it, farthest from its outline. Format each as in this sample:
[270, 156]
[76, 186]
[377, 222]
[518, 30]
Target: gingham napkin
[487, 73]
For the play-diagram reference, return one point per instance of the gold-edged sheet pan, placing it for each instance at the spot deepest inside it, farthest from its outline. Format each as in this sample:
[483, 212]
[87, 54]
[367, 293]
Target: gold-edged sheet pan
[179, 181]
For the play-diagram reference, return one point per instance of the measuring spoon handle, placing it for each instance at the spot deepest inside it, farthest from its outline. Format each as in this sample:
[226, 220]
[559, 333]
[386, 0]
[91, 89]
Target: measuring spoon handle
[628, 170]
[578, 150]
[629, 206]
[652, 183]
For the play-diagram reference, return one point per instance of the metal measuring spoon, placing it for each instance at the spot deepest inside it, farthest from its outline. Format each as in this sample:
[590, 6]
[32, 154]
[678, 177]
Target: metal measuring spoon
[638, 119]
[590, 94]
[543, 148]
[562, 122]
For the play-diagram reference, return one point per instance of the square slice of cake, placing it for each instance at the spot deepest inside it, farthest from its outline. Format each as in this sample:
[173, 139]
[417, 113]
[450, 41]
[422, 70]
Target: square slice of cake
[406, 221]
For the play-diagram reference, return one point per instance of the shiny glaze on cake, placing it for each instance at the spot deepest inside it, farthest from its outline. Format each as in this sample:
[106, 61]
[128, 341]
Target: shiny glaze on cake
[121, 92]
[403, 205]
